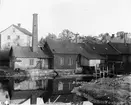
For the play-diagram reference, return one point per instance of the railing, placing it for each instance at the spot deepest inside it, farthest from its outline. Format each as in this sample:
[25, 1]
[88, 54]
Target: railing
[99, 73]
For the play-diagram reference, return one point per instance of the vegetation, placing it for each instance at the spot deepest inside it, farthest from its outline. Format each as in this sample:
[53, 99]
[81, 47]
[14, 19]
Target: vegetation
[67, 35]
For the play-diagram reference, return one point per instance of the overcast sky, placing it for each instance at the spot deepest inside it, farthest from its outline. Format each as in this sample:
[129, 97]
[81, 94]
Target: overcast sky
[87, 17]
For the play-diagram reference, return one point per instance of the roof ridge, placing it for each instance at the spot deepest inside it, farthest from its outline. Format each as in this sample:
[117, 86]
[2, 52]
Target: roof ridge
[6, 28]
[23, 30]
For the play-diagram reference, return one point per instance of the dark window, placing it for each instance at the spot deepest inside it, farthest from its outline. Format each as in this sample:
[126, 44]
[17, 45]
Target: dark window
[8, 37]
[8, 44]
[31, 61]
[18, 37]
[13, 29]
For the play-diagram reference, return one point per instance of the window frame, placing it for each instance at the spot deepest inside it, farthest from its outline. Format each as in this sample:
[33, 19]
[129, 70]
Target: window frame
[70, 61]
[18, 36]
[8, 37]
[61, 61]
[60, 86]
[31, 61]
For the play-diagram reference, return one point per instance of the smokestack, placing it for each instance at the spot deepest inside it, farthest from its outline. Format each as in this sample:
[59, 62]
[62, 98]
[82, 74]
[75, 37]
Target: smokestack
[35, 34]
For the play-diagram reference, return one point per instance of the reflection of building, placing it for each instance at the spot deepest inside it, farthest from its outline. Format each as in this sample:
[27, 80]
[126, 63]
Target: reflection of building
[15, 36]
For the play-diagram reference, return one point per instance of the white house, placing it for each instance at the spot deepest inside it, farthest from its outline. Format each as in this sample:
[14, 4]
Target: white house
[15, 36]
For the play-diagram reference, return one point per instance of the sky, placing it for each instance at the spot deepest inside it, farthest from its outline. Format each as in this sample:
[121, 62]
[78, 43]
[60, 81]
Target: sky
[86, 17]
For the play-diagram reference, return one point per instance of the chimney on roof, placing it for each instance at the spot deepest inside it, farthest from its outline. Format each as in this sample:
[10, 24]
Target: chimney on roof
[76, 37]
[35, 34]
[19, 25]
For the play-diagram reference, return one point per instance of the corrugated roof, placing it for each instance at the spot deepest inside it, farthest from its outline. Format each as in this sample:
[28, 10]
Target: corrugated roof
[28, 53]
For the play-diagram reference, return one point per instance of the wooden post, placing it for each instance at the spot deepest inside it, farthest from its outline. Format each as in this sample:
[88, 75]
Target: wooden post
[49, 101]
[33, 100]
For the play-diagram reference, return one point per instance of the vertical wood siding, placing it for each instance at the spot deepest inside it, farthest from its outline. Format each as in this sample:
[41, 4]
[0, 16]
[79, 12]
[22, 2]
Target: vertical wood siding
[66, 64]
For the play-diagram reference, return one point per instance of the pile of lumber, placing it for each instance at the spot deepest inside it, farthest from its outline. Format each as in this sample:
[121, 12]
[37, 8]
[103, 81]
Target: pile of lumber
[107, 91]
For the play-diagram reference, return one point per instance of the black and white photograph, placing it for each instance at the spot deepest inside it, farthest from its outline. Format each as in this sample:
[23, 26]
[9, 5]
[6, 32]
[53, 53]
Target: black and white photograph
[65, 52]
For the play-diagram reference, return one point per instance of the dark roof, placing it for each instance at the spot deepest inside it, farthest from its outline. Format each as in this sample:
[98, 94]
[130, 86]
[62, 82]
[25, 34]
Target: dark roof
[104, 49]
[64, 47]
[91, 54]
[4, 55]
[28, 53]
[122, 47]
[120, 40]
[23, 30]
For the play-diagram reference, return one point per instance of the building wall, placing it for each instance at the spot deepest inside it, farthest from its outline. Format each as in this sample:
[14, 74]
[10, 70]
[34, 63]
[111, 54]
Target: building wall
[24, 63]
[66, 65]
[127, 63]
[94, 62]
[23, 39]
[84, 61]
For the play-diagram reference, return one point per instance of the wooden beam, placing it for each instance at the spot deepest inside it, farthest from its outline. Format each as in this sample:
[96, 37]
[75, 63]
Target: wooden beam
[33, 100]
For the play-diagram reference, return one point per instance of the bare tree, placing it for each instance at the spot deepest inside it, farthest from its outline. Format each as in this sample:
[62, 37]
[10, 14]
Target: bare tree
[51, 36]
[66, 35]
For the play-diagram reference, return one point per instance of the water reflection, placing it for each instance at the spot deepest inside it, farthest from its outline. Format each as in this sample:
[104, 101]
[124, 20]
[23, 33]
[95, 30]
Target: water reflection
[33, 79]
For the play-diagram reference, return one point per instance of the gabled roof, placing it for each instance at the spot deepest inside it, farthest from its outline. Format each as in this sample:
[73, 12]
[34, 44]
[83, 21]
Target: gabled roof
[64, 47]
[122, 47]
[104, 49]
[26, 52]
[23, 30]
[88, 51]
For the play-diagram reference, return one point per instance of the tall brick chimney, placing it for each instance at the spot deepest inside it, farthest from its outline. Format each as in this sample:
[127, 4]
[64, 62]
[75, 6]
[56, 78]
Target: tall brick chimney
[35, 34]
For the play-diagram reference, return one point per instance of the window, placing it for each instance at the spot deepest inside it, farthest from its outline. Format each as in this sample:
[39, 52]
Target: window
[13, 29]
[18, 37]
[8, 44]
[60, 86]
[8, 37]
[70, 62]
[18, 44]
[61, 61]
[31, 61]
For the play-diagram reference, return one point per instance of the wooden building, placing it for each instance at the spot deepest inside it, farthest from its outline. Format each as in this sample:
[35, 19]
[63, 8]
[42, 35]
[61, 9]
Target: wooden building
[69, 56]
[124, 55]
[24, 58]
[117, 56]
